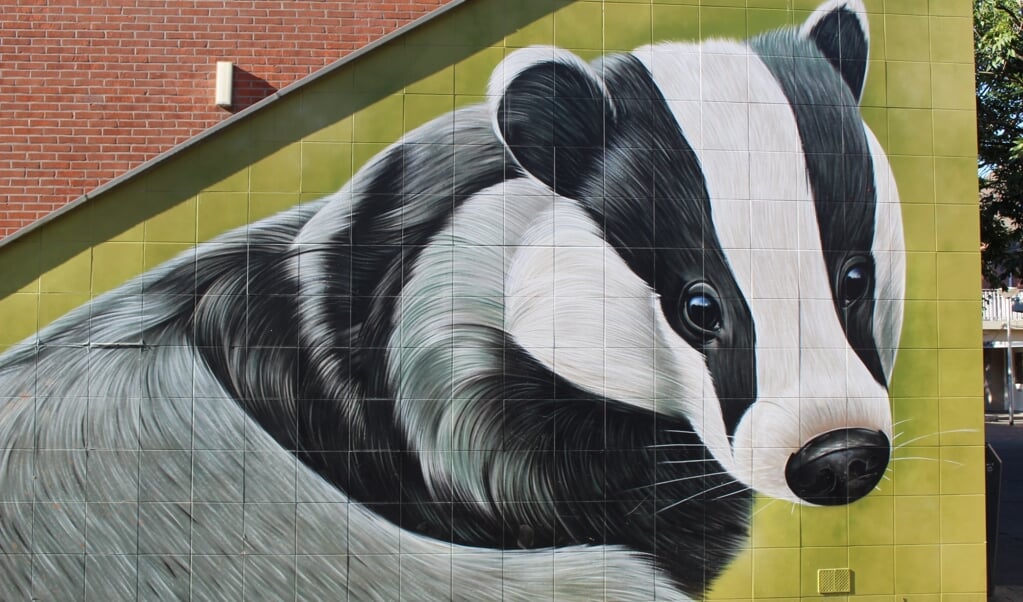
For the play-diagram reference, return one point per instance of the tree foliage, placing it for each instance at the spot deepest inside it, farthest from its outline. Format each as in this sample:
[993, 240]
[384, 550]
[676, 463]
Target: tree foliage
[998, 40]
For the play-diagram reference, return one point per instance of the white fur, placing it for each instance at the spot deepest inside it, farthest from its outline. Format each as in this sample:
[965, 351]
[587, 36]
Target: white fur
[889, 258]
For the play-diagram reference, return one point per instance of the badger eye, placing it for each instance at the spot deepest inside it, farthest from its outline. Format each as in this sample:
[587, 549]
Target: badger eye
[854, 280]
[701, 310]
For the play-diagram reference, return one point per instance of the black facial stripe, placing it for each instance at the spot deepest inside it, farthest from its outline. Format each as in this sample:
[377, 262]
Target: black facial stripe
[840, 171]
[651, 197]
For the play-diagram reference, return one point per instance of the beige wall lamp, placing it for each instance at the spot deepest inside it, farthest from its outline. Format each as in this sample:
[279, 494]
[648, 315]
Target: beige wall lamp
[225, 73]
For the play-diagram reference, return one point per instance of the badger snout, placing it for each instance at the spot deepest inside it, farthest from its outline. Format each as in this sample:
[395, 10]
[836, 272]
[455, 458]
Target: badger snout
[838, 467]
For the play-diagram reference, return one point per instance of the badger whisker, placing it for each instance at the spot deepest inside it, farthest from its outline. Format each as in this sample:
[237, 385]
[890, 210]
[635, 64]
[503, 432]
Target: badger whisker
[679, 480]
[694, 496]
[766, 506]
[638, 504]
[685, 461]
[935, 434]
[736, 492]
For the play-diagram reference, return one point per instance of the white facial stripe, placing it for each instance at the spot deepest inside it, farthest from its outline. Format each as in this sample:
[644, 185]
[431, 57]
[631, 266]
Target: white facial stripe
[766, 223]
[578, 309]
[888, 258]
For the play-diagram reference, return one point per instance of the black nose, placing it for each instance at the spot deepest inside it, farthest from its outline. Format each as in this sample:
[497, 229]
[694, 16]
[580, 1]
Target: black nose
[838, 467]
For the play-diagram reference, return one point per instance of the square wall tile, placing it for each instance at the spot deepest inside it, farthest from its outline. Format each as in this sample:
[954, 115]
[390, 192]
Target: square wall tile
[917, 569]
[955, 178]
[963, 519]
[626, 26]
[279, 171]
[952, 86]
[958, 227]
[326, 167]
[873, 570]
[910, 132]
[951, 39]
[909, 84]
[675, 23]
[580, 25]
[960, 372]
[776, 572]
[907, 36]
[73, 271]
[955, 133]
[538, 32]
[917, 471]
[958, 275]
[917, 519]
[962, 469]
[113, 263]
[824, 526]
[957, 324]
[963, 568]
[218, 212]
[175, 224]
[962, 420]
[381, 121]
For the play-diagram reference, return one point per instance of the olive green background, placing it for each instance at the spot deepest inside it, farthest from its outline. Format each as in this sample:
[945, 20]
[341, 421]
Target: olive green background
[920, 537]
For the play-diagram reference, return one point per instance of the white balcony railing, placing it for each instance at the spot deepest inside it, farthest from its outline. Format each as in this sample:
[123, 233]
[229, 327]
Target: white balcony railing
[996, 306]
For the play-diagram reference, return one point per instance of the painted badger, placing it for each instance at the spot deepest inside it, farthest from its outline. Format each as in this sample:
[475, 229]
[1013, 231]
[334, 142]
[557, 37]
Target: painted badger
[551, 345]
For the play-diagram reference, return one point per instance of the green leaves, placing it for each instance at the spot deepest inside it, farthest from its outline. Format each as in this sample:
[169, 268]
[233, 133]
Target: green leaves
[998, 42]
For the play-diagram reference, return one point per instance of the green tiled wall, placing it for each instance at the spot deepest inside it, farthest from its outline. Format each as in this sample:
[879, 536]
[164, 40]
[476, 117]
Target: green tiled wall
[920, 536]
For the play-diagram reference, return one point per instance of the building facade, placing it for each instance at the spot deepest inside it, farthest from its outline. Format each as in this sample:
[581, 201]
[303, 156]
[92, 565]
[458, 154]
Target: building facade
[552, 299]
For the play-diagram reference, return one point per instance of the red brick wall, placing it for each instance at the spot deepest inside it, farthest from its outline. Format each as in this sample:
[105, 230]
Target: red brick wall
[92, 88]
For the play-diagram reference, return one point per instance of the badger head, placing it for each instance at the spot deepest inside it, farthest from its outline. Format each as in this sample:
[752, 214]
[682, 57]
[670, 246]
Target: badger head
[726, 211]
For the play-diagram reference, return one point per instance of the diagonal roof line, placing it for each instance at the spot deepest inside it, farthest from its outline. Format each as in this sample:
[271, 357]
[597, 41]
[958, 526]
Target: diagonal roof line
[231, 120]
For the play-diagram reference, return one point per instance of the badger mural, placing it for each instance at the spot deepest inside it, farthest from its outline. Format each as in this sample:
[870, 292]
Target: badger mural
[553, 349]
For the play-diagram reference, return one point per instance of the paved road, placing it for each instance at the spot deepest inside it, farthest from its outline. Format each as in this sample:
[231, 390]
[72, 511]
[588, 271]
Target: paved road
[1008, 578]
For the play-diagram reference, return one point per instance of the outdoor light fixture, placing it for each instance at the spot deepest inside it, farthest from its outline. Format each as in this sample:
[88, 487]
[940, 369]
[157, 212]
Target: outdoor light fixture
[225, 72]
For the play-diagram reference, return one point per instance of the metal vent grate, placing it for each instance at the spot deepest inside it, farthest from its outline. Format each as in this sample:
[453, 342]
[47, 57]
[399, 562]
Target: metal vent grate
[834, 581]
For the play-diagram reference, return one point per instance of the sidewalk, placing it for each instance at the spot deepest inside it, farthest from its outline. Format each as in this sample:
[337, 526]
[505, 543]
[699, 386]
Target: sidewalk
[1006, 593]
[1008, 444]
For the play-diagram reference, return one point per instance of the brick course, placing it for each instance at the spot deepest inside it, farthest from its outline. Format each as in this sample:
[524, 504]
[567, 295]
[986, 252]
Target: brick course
[93, 88]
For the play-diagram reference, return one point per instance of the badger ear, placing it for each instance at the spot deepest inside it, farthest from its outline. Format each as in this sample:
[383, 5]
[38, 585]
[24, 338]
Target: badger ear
[549, 108]
[839, 29]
